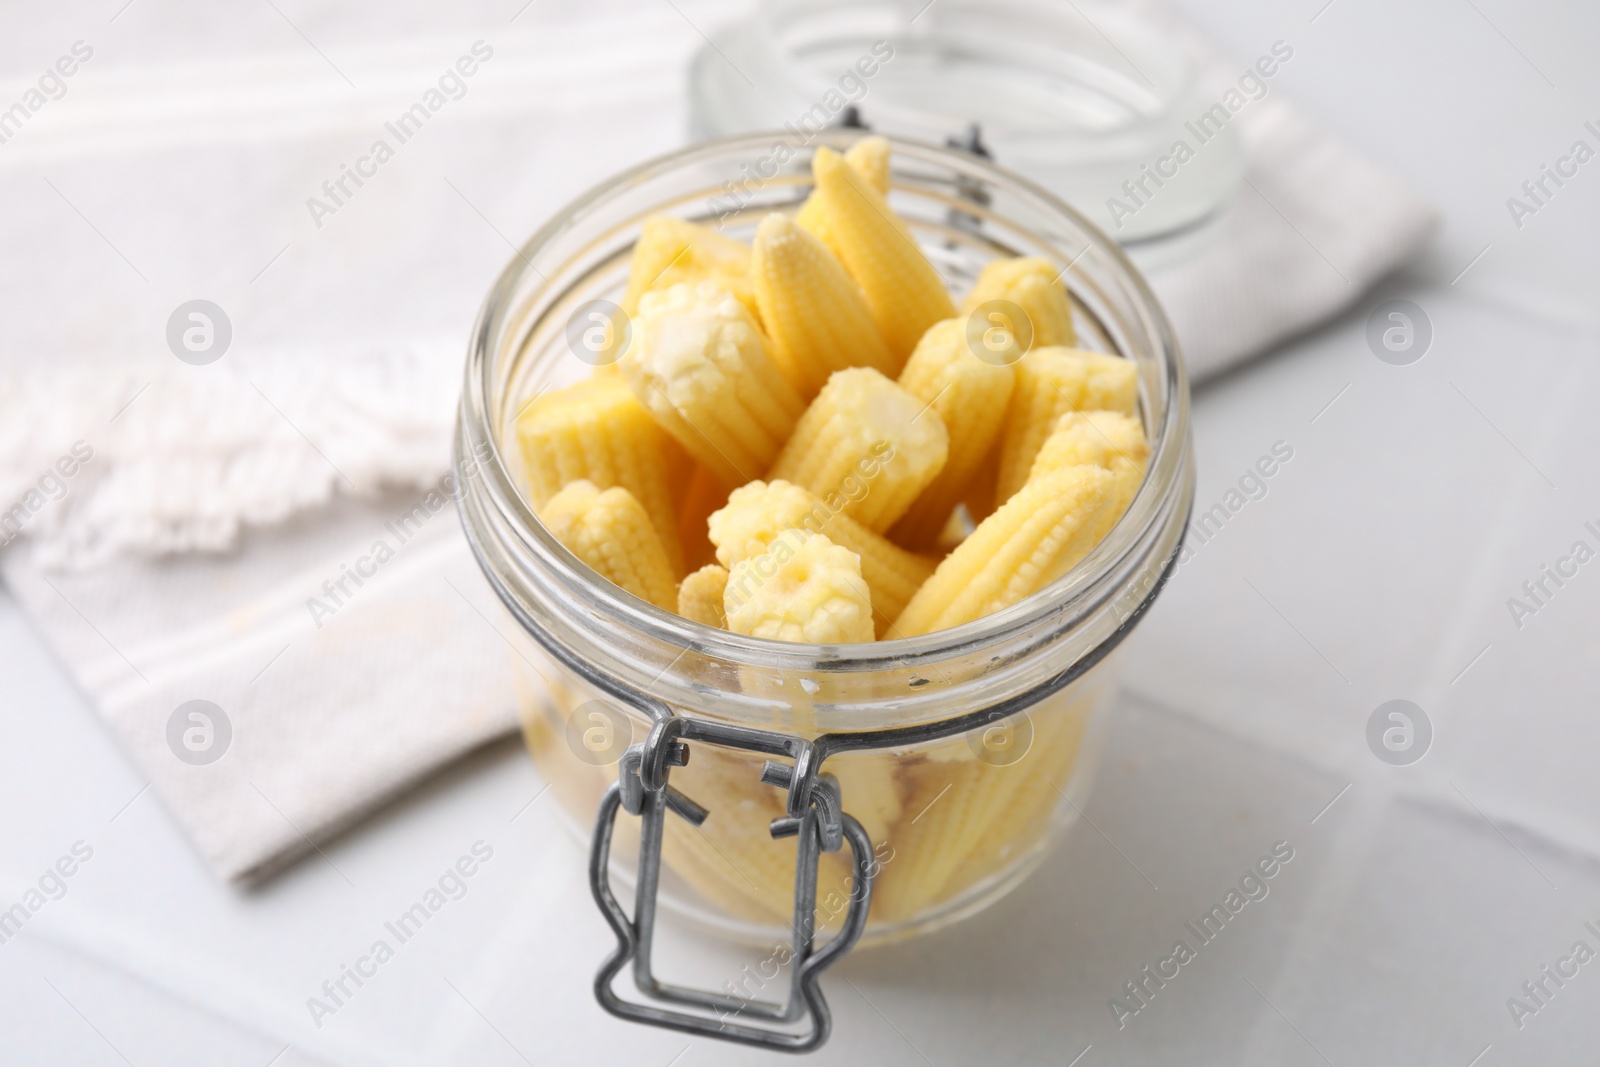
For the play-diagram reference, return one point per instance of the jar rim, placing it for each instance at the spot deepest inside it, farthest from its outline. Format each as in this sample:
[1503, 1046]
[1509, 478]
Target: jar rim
[1081, 591]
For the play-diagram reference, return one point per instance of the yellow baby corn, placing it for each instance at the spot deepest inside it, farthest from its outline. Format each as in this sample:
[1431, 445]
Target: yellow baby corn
[961, 810]
[1029, 542]
[970, 396]
[1106, 439]
[1026, 815]
[1110, 383]
[803, 588]
[870, 789]
[868, 441]
[813, 311]
[671, 250]
[700, 596]
[904, 291]
[757, 513]
[1051, 382]
[598, 431]
[1033, 284]
[952, 803]
[698, 361]
[609, 530]
[870, 157]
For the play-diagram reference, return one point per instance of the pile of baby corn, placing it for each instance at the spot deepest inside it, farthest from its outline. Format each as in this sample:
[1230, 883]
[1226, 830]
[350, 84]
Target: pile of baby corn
[799, 432]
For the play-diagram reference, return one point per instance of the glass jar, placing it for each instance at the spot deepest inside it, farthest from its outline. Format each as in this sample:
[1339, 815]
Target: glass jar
[954, 821]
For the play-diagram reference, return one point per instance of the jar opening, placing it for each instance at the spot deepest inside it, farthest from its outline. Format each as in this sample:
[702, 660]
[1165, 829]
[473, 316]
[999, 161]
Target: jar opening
[518, 336]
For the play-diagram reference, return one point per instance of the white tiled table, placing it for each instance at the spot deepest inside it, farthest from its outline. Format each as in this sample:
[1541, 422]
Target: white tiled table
[1377, 567]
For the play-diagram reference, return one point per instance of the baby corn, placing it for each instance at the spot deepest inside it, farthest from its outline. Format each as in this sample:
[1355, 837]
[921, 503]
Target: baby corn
[1032, 539]
[965, 810]
[970, 396]
[1051, 382]
[699, 363]
[869, 441]
[870, 158]
[757, 513]
[700, 596]
[598, 431]
[870, 790]
[1106, 439]
[671, 250]
[803, 588]
[609, 530]
[1033, 284]
[902, 288]
[812, 310]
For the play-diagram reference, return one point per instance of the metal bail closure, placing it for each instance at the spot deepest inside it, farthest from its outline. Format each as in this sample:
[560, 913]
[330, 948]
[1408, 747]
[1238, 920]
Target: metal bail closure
[820, 826]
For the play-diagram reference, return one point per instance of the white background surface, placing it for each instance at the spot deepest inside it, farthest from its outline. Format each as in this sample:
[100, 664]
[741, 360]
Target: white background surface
[1377, 567]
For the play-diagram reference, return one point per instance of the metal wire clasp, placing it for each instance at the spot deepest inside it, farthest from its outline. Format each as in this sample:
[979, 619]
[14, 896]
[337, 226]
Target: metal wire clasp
[815, 818]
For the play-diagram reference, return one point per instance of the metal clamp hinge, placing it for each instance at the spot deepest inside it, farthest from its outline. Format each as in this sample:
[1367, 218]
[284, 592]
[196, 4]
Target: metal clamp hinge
[821, 826]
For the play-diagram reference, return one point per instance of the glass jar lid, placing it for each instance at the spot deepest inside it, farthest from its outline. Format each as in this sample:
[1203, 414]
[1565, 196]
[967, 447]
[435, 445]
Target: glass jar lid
[1080, 97]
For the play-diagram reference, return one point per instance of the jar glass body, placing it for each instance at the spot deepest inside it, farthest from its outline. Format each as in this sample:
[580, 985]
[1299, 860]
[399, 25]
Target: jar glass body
[954, 820]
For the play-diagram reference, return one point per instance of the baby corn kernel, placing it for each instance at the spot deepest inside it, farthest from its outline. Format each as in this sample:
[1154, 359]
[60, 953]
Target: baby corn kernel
[671, 250]
[868, 440]
[970, 396]
[1029, 542]
[803, 588]
[609, 530]
[904, 291]
[812, 310]
[599, 432]
[758, 513]
[1034, 285]
[700, 596]
[870, 158]
[1051, 382]
[699, 363]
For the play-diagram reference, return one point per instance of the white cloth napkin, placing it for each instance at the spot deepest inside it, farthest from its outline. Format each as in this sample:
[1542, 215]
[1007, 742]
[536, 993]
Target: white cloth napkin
[1313, 226]
[185, 558]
